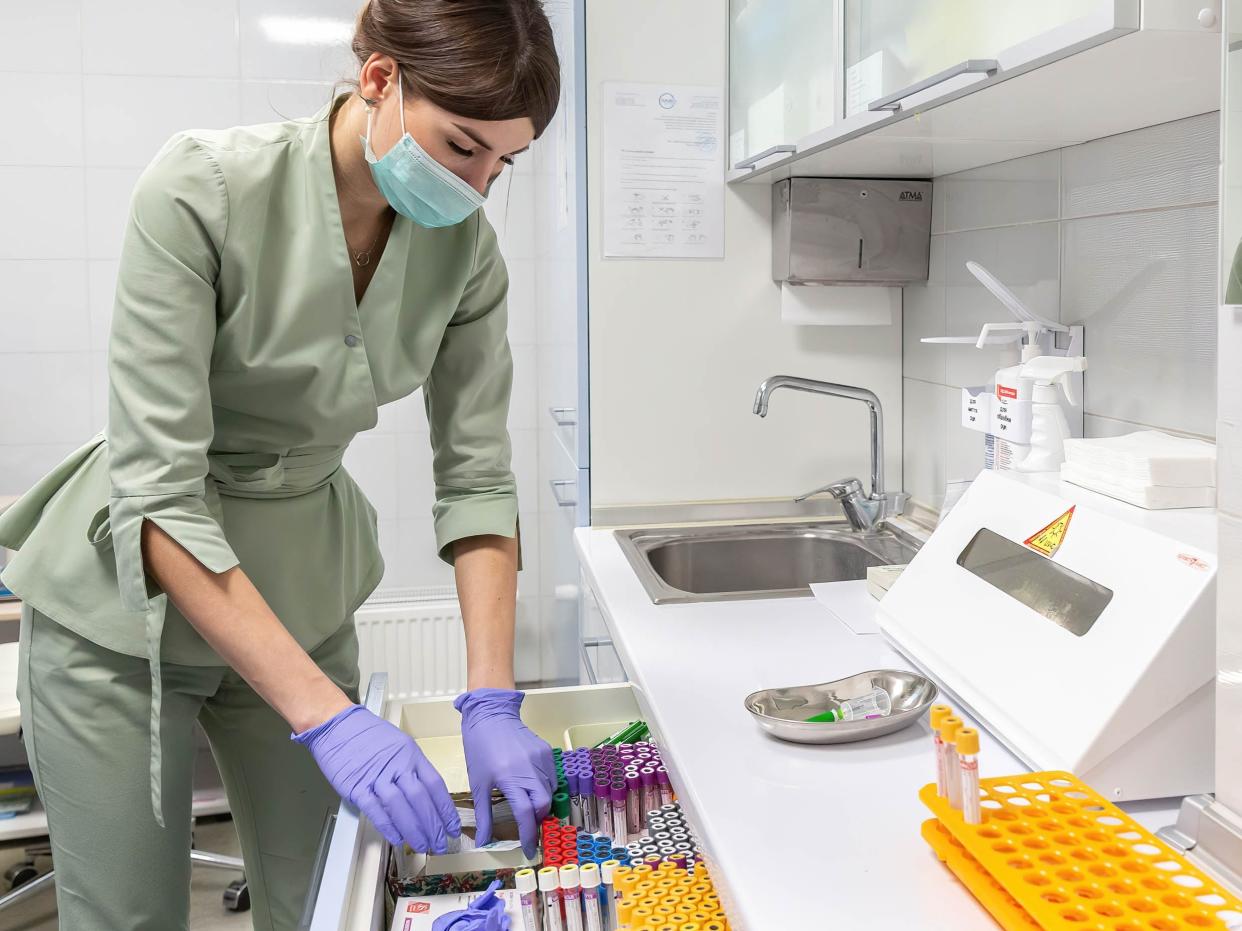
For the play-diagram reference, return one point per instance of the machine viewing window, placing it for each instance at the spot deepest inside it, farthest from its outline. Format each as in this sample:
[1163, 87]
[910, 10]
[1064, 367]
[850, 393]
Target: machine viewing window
[1062, 596]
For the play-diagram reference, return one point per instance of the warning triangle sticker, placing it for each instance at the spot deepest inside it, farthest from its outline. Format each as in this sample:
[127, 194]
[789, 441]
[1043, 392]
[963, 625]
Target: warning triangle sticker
[1049, 540]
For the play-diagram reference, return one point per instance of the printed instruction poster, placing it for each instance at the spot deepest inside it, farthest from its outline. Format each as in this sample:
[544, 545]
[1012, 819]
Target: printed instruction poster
[663, 171]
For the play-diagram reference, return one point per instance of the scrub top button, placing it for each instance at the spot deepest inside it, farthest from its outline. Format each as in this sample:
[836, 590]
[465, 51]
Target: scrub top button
[351, 341]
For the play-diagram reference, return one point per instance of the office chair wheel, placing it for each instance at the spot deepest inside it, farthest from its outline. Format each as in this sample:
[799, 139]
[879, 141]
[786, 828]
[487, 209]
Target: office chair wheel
[237, 896]
[19, 874]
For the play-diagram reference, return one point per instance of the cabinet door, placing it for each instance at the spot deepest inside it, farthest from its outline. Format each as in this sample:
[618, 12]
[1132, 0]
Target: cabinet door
[896, 44]
[782, 72]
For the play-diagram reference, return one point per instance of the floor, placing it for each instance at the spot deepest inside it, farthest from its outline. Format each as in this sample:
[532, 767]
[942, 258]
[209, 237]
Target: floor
[207, 912]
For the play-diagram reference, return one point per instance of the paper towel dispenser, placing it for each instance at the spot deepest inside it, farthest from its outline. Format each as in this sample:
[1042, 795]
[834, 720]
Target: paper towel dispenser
[850, 231]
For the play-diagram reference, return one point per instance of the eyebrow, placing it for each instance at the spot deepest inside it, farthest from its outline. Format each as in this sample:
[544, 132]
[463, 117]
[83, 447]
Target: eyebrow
[477, 140]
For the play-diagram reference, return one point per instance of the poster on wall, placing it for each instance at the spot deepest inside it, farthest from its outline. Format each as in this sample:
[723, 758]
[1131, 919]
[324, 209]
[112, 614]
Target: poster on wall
[663, 171]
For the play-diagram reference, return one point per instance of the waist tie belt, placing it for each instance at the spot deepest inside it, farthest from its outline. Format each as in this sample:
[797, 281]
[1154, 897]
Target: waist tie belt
[239, 475]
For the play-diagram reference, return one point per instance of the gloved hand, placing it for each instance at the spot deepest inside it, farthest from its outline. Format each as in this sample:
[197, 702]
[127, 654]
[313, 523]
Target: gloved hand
[380, 769]
[486, 913]
[503, 753]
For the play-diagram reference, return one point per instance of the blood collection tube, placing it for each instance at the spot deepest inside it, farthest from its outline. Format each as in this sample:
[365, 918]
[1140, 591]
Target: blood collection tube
[666, 787]
[527, 884]
[589, 877]
[938, 714]
[549, 891]
[651, 798]
[620, 830]
[633, 803]
[575, 799]
[968, 765]
[571, 897]
[949, 726]
[603, 803]
[610, 897]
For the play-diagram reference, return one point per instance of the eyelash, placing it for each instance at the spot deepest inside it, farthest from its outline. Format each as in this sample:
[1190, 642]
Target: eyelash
[466, 153]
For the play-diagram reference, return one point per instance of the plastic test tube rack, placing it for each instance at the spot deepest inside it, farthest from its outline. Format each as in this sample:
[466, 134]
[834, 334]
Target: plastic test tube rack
[1053, 854]
[662, 897]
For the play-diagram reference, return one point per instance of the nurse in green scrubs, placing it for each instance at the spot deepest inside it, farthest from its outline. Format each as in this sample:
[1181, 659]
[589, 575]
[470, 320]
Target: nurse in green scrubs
[202, 559]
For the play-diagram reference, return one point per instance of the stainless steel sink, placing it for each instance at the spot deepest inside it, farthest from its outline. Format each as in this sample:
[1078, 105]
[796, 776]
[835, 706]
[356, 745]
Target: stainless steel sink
[718, 563]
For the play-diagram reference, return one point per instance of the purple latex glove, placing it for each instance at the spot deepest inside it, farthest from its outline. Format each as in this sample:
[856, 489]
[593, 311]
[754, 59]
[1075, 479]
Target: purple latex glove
[486, 913]
[503, 753]
[380, 769]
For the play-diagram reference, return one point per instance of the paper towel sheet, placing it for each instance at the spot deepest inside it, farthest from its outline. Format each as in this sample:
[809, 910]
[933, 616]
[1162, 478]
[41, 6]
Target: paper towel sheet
[849, 603]
[839, 305]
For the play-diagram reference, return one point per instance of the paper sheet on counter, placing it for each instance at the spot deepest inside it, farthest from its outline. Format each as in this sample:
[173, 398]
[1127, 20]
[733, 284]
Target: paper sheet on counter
[663, 171]
[849, 603]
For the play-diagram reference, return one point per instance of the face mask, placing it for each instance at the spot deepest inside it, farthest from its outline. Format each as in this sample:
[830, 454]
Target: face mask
[415, 184]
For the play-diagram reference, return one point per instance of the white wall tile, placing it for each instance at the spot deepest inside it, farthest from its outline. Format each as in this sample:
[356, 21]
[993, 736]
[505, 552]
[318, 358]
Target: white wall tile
[924, 440]
[1026, 259]
[397, 574]
[277, 101]
[23, 464]
[526, 467]
[1143, 283]
[530, 576]
[521, 302]
[164, 37]
[101, 296]
[419, 558]
[416, 492]
[527, 648]
[297, 39]
[128, 118]
[42, 37]
[406, 415]
[515, 221]
[42, 215]
[1021, 190]
[43, 306]
[43, 120]
[372, 460]
[47, 397]
[98, 366]
[108, 194]
[924, 314]
[1171, 164]
[523, 407]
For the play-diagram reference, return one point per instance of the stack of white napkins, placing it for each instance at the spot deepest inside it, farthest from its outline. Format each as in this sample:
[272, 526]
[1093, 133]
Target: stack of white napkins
[1148, 468]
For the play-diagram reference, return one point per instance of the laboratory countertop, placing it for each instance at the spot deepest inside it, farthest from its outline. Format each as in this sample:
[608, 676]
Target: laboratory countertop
[799, 836]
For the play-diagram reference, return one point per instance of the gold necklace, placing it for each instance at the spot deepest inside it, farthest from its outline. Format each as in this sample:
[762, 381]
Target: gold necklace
[363, 257]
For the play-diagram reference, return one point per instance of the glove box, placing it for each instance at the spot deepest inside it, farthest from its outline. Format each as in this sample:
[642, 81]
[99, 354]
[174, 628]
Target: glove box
[349, 891]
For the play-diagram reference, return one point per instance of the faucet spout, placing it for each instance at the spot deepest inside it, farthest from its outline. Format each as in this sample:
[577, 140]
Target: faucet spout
[769, 385]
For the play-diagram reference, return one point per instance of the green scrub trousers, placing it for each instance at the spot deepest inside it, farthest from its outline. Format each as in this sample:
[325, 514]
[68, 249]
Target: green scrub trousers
[86, 722]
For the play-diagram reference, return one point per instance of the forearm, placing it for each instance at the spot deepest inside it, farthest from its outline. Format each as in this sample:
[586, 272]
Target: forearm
[230, 614]
[486, 571]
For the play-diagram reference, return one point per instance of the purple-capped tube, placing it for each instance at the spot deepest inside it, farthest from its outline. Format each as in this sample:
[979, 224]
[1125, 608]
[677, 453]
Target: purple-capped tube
[651, 795]
[633, 803]
[665, 787]
[575, 798]
[603, 804]
[620, 831]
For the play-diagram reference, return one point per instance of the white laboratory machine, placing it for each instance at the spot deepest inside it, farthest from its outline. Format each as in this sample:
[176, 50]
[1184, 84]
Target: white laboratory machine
[1079, 629]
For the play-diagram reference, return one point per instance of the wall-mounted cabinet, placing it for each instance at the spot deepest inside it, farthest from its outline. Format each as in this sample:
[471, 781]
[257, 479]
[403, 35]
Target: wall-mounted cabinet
[928, 88]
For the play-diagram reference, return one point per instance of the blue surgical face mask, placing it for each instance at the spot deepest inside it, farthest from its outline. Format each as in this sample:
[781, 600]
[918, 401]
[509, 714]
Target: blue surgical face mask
[415, 184]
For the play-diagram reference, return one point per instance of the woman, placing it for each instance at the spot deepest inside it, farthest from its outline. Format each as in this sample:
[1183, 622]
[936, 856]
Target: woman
[204, 560]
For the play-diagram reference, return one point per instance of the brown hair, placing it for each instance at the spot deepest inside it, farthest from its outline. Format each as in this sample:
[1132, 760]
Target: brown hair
[481, 59]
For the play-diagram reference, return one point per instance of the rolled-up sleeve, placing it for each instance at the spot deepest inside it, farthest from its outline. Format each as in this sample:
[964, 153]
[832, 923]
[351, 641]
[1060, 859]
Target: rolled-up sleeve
[163, 331]
[467, 397]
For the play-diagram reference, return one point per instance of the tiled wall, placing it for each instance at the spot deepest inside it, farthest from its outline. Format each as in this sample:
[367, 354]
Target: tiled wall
[92, 90]
[1118, 234]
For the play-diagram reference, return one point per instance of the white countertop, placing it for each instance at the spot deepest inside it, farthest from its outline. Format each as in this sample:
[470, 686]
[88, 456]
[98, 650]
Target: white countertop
[795, 834]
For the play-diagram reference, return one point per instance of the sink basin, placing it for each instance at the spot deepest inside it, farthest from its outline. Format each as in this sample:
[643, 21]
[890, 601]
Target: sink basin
[717, 563]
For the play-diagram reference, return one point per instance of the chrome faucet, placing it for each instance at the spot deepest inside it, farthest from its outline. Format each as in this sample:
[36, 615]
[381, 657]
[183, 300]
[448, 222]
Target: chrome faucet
[863, 511]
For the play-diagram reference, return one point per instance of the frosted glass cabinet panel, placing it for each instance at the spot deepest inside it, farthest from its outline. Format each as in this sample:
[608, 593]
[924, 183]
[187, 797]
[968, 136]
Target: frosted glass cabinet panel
[893, 44]
[783, 58]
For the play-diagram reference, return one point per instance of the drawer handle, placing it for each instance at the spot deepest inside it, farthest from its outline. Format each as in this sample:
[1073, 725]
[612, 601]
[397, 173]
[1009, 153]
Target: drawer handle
[988, 66]
[598, 642]
[766, 153]
[564, 501]
[564, 416]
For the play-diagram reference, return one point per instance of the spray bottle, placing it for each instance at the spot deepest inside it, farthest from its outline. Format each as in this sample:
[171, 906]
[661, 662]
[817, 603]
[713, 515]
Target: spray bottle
[1049, 426]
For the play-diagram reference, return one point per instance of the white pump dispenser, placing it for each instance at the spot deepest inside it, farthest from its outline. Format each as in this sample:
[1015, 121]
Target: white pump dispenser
[1049, 427]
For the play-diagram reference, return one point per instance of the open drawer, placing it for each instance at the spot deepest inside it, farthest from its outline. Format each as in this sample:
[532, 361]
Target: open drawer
[347, 889]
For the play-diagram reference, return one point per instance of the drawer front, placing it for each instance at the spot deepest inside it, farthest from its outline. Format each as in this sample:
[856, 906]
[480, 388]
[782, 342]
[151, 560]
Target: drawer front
[347, 890]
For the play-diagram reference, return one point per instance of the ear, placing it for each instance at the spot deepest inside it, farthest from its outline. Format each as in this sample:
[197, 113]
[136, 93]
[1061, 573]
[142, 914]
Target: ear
[377, 77]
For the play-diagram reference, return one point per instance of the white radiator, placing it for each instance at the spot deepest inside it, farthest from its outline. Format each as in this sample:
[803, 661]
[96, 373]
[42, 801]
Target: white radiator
[414, 635]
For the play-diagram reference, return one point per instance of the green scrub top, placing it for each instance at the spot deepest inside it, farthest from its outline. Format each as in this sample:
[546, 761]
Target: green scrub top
[240, 368]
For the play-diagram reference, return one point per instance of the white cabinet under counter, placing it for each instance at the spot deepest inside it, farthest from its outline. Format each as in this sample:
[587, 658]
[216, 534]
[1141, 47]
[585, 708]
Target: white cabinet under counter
[933, 88]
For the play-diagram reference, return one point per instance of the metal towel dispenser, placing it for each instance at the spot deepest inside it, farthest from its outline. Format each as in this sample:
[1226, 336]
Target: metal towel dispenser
[850, 231]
